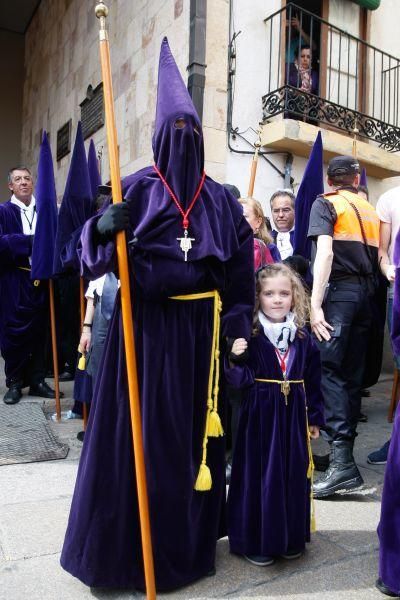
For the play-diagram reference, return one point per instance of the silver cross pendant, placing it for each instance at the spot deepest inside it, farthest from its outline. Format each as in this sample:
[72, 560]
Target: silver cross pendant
[185, 243]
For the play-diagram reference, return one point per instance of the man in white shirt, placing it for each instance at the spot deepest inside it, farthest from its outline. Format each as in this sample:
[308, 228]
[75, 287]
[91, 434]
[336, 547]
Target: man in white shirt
[388, 209]
[23, 302]
[282, 211]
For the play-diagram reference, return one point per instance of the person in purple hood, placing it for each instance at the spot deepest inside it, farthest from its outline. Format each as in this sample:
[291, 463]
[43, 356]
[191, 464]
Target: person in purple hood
[389, 526]
[185, 268]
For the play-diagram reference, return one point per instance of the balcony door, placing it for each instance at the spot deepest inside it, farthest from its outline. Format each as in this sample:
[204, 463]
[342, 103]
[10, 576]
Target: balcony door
[344, 57]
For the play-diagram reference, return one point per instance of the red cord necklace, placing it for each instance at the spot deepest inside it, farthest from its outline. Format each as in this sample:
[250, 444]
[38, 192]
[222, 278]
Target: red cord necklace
[282, 359]
[185, 241]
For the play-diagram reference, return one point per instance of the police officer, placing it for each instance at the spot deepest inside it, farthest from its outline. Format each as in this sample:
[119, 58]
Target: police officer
[345, 228]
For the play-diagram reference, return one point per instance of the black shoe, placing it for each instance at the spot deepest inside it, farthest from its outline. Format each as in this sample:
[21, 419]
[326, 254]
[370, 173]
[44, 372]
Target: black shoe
[379, 457]
[259, 561]
[13, 395]
[43, 390]
[384, 589]
[80, 436]
[362, 418]
[342, 473]
[365, 393]
[228, 472]
[321, 461]
[66, 376]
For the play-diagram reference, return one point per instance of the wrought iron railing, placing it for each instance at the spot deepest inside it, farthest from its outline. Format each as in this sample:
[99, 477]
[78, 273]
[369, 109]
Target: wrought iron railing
[349, 84]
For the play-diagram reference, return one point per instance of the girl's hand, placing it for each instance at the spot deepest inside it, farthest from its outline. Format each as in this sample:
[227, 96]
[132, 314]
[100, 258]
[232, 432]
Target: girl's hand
[239, 346]
[314, 431]
[84, 342]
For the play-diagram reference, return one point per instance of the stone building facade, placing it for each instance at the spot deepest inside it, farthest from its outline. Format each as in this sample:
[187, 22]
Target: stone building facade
[62, 60]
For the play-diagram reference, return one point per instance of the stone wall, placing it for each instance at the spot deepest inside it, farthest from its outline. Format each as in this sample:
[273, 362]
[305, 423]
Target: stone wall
[12, 75]
[62, 59]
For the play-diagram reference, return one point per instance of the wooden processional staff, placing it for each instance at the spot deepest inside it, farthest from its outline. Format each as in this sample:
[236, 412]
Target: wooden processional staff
[254, 163]
[127, 321]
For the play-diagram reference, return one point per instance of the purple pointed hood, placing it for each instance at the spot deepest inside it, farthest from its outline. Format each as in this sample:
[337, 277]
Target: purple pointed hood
[312, 185]
[77, 205]
[94, 175]
[178, 152]
[46, 207]
[363, 177]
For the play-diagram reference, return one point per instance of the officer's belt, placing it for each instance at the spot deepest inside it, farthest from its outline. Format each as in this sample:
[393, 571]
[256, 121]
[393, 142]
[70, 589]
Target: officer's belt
[361, 279]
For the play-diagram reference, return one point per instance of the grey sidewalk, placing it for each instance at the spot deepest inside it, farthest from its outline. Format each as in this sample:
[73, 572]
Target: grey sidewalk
[341, 561]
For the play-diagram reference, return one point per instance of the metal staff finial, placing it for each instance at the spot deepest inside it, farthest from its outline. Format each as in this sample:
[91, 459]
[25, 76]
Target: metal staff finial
[101, 11]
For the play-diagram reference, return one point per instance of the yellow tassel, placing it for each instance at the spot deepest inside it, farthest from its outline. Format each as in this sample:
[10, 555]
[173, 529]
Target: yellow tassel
[214, 428]
[310, 469]
[203, 481]
[313, 524]
[82, 363]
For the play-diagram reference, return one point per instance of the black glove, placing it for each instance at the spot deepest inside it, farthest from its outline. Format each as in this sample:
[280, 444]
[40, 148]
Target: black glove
[116, 218]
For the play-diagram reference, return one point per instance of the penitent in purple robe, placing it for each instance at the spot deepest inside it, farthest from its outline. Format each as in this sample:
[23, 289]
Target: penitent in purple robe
[173, 344]
[22, 304]
[389, 525]
[269, 494]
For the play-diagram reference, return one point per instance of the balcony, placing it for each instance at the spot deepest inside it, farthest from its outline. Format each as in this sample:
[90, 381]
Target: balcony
[331, 80]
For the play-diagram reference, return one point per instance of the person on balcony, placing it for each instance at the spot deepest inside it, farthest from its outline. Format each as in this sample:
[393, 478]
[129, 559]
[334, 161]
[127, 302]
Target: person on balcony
[300, 73]
[298, 37]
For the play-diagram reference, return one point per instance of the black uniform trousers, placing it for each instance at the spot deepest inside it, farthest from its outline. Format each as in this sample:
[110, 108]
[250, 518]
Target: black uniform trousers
[347, 308]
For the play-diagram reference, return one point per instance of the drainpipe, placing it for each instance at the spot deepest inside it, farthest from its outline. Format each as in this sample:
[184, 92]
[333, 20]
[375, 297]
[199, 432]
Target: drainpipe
[197, 53]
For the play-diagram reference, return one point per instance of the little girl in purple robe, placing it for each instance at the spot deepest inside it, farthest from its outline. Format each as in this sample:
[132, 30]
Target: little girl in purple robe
[279, 371]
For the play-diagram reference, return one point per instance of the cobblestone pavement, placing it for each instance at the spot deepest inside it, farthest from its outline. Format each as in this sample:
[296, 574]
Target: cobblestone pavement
[341, 560]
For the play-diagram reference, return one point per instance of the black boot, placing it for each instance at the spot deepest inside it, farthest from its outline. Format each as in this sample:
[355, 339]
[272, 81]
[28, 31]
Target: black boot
[342, 473]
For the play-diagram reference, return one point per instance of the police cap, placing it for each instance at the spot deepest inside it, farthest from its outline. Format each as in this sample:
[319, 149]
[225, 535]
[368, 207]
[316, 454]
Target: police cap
[343, 165]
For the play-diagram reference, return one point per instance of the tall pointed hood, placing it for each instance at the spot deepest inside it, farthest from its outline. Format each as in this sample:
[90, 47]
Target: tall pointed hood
[178, 150]
[94, 175]
[46, 207]
[77, 205]
[363, 177]
[311, 186]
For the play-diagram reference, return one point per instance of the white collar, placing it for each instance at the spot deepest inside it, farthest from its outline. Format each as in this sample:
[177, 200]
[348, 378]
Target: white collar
[23, 206]
[279, 334]
[283, 232]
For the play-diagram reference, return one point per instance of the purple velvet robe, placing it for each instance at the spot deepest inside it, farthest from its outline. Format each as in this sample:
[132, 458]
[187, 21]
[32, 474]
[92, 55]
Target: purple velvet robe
[389, 525]
[269, 494]
[22, 304]
[173, 340]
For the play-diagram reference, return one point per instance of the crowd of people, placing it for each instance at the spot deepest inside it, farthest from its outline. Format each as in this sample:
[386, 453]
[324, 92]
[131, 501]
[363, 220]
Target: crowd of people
[287, 338]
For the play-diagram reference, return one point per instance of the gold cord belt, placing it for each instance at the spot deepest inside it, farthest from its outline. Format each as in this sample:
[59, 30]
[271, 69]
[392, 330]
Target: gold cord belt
[213, 426]
[284, 383]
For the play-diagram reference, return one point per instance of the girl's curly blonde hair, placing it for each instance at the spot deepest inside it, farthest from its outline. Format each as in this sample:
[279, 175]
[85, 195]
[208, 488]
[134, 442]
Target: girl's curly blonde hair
[300, 299]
